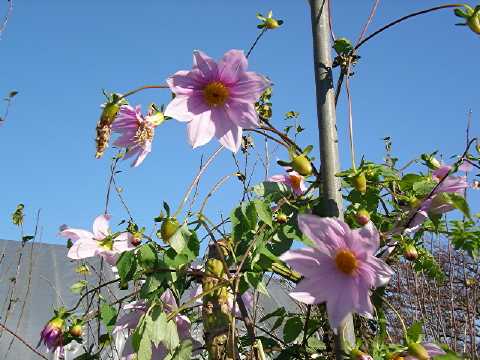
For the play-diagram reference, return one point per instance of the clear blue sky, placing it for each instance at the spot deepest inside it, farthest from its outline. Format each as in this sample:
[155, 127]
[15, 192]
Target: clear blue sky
[414, 83]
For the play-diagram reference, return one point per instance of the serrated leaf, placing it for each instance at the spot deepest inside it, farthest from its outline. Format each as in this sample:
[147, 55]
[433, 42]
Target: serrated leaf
[126, 266]
[182, 352]
[147, 256]
[415, 332]
[157, 326]
[459, 202]
[171, 339]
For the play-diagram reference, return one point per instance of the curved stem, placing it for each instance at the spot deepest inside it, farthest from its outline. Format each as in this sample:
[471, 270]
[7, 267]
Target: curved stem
[134, 91]
[264, 30]
[403, 18]
[404, 328]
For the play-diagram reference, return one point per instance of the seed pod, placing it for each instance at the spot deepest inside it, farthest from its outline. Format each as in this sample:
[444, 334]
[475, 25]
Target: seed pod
[302, 165]
[76, 331]
[168, 228]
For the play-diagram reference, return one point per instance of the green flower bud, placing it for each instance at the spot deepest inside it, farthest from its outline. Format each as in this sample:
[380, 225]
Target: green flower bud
[271, 23]
[168, 228]
[359, 182]
[362, 217]
[410, 252]
[302, 165]
[474, 23]
[76, 330]
[215, 267]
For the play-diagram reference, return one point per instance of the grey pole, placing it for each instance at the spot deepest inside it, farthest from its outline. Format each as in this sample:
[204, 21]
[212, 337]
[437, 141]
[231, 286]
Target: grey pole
[330, 164]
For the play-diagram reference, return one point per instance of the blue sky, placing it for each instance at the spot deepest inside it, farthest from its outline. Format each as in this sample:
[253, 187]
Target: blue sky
[414, 83]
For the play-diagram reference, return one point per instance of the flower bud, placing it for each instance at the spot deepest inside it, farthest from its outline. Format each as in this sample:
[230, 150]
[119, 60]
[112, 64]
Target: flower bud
[104, 127]
[474, 23]
[52, 333]
[414, 202]
[302, 165]
[271, 23]
[362, 217]
[417, 350]
[281, 218]
[136, 239]
[168, 228]
[410, 253]
[356, 354]
[76, 330]
[359, 182]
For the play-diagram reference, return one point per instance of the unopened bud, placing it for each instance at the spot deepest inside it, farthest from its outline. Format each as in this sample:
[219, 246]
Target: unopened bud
[215, 267]
[302, 165]
[474, 23]
[168, 228]
[362, 217]
[271, 23]
[76, 330]
[410, 253]
[281, 218]
[359, 182]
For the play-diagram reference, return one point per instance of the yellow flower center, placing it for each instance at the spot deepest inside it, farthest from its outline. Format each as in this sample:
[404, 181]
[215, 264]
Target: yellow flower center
[215, 94]
[295, 181]
[144, 133]
[346, 261]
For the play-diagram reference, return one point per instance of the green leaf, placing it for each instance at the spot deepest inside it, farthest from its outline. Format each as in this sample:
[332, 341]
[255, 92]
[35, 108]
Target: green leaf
[157, 325]
[459, 202]
[108, 315]
[182, 352]
[263, 211]
[152, 283]
[147, 256]
[293, 327]
[255, 280]
[145, 348]
[170, 338]
[415, 332]
[272, 190]
[177, 240]
[78, 287]
[126, 266]
[342, 45]
[278, 312]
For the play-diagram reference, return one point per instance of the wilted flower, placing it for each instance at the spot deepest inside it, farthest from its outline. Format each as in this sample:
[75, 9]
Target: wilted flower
[424, 351]
[136, 131]
[340, 269]
[101, 242]
[293, 180]
[52, 334]
[247, 298]
[216, 99]
[136, 310]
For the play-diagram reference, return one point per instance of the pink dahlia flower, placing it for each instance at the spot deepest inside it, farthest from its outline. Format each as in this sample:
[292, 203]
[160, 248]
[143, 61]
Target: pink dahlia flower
[136, 132]
[435, 205]
[52, 334]
[432, 350]
[101, 242]
[340, 269]
[130, 321]
[293, 180]
[216, 99]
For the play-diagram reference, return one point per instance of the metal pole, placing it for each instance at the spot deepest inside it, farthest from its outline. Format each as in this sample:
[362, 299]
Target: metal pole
[330, 164]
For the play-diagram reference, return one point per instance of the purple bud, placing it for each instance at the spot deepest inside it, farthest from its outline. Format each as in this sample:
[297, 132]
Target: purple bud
[52, 334]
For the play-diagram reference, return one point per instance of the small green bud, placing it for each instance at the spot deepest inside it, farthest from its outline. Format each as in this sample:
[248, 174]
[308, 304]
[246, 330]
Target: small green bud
[410, 252]
[359, 182]
[302, 165]
[76, 330]
[168, 228]
[215, 267]
[417, 350]
[474, 23]
[271, 23]
[362, 217]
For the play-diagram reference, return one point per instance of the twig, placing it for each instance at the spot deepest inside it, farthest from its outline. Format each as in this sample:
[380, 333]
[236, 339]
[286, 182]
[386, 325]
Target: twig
[23, 341]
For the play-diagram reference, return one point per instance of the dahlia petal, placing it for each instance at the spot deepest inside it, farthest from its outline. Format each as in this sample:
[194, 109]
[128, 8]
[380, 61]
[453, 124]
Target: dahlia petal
[366, 239]
[82, 249]
[185, 82]
[242, 114]
[100, 226]
[433, 350]
[76, 234]
[303, 261]
[126, 139]
[184, 108]
[169, 300]
[201, 129]
[120, 246]
[142, 155]
[227, 133]
[233, 64]
[249, 87]
[342, 305]
[206, 65]
[280, 178]
[128, 321]
[183, 326]
[327, 233]
[364, 306]
[109, 256]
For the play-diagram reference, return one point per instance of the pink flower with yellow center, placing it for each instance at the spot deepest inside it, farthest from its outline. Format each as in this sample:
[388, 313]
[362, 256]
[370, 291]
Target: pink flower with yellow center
[99, 243]
[136, 132]
[216, 99]
[52, 334]
[293, 180]
[340, 269]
